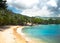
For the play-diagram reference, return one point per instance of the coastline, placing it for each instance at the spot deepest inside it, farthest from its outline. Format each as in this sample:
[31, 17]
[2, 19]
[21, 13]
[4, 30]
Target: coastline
[9, 35]
[14, 35]
[29, 39]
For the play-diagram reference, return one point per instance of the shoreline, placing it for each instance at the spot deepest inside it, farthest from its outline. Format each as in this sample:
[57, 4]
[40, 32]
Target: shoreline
[14, 34]
[29, 39]
[9, 35]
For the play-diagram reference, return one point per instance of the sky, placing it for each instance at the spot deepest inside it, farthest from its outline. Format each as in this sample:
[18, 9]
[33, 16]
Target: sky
[42, 8]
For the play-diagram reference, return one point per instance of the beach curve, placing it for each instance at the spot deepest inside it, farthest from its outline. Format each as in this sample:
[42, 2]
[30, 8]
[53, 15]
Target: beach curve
[15, 35]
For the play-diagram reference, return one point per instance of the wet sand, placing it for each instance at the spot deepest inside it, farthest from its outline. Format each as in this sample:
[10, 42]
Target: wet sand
[14, 35]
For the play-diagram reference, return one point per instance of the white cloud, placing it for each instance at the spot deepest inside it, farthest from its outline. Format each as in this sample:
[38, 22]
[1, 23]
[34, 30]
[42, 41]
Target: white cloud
[33, 7]
[27, 3]
[44, 12]
[9, 2]
[22, 3]
[52, 3]
[58, 15]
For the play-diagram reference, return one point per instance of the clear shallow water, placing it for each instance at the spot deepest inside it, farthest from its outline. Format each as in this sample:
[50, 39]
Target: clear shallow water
[49, 33]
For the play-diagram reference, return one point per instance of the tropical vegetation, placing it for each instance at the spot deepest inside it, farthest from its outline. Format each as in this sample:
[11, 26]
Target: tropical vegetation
[7, 17]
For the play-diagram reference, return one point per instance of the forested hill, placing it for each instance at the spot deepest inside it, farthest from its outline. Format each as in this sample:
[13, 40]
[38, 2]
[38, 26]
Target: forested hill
[46, 18]
[7, 17]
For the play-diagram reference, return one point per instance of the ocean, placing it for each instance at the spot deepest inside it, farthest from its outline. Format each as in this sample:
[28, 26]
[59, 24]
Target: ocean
[49, 33]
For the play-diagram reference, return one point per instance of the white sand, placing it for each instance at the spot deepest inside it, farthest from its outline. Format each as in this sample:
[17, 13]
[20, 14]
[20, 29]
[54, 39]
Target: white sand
[15, 35]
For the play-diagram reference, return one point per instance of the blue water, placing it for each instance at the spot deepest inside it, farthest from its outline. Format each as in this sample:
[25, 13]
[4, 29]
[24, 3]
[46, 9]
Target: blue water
[49, 33]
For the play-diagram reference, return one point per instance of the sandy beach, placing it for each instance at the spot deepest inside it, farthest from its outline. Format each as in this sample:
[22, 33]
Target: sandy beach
[13, 34]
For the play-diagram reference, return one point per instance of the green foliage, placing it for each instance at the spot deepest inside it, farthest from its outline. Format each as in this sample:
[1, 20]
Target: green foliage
[36, 20]
[3, 4]
[0, 0]
[7, 17]
[10, 18]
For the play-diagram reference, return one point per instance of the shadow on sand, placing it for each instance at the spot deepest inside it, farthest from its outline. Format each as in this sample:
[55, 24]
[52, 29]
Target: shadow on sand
[2, 28]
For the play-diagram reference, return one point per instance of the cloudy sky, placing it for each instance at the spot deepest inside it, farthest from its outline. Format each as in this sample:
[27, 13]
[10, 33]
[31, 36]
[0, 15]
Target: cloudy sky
[43, 8]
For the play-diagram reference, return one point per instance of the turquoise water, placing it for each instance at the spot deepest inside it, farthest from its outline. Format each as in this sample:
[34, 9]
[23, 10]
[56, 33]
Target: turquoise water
[49, 33]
